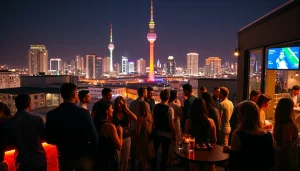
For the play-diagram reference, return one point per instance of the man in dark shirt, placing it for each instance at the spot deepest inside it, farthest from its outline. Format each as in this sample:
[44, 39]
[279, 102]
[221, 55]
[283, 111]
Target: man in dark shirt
[72, 130]
[187, 107]
[25, 131]
[149, 98]
[106, 96]
[216, 97]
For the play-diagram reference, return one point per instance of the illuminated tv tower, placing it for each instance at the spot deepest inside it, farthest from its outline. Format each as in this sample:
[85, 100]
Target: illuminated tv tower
[151, 36]
[111, 48]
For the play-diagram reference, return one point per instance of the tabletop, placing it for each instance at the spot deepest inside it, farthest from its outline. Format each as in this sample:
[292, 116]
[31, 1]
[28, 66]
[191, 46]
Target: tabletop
[216, 155]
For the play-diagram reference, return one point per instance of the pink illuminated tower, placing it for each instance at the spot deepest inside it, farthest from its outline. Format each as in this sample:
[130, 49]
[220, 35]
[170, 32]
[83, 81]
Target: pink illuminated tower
[111, 48]
[151, 36]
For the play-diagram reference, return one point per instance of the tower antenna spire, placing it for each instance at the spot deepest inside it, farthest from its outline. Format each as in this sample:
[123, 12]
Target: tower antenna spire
[111, 33]
[151, 10]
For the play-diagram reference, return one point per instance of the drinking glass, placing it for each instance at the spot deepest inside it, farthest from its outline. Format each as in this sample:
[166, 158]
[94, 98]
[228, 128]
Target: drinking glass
[192, 143]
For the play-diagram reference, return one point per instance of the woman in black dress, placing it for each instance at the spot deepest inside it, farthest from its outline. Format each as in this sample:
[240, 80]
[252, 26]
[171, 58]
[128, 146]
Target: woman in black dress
[110, 138]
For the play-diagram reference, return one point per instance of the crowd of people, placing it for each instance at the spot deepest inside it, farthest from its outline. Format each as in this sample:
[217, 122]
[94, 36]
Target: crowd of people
[113, 133]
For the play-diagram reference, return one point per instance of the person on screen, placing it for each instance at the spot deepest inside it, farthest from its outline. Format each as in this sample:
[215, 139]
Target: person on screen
[280, 61]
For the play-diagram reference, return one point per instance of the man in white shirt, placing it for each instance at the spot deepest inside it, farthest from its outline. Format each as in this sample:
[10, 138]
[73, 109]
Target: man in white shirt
[85, 98]
[294, 95]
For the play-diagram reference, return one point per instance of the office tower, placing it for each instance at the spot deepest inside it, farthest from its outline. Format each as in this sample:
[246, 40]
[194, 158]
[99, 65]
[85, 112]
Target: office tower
[105, 65]
[111, 48]
[90, 66]
[82, 65]
[151, 36]
[65, 68]
[141, 66]
[158, 64]
[192, 63]
[78, 65]
[171, 65]
[55, 64]
[37, 59]
[131, 67]
[214, 64]
[124, 65]
[72, 66]
[117, 68]
[98, 68]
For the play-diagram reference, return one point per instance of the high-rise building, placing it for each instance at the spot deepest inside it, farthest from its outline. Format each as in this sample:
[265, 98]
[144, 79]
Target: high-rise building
[90, 66]
[131, 67]
[151, 36]
[125, 68]
[214, 64]
[37, 59]
[65, 68]
[171, 65]
[82, 65]
[98, 68]
[72, 67]
[106, 65]
[78, 65]
[158, 64]
[141, 66]
[117, 68]
[111, 47]
[9, 79]
[192, 63]
[55, 64]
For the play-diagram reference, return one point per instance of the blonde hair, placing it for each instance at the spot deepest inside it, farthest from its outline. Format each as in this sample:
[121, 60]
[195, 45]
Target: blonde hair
[249, 118]
[144, 111]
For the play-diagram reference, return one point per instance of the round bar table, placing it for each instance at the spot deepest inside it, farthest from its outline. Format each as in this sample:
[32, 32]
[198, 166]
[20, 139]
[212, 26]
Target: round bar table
[216, 155]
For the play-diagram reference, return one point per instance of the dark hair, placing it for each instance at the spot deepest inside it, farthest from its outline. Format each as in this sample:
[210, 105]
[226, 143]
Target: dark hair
[200, 126]
[5, 109]
[173, 95]
[117, 101]
[216, 88]
[208, 101]
[164, 95]
[140, 91]
[67, 90]
[254, 93]
[105, 91]
[263, 98]
[100, 112]
[22, 101]
[224, 91]
[202, 88]
[82, 94]
[296, 87]
[187, 87]
[150, 89]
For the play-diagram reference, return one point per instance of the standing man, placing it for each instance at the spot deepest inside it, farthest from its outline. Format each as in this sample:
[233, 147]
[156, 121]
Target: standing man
[202, 90]
[142, 94]
[85, 98]
[187, 107]
[226, 109]
[149, 98]
[72, 130]
[106, 96]
[25, 131]
[294, 95]
[216, 97]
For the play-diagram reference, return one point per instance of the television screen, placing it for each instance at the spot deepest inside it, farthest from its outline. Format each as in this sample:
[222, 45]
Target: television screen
[285, 58]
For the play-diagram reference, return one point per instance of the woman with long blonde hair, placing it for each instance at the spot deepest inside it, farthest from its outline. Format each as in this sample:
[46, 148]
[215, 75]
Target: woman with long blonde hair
[286, 136]
[144, 144]
[251, 146]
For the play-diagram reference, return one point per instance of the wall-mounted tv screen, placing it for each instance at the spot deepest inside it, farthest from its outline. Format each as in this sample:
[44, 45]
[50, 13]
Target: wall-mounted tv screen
[284, 58]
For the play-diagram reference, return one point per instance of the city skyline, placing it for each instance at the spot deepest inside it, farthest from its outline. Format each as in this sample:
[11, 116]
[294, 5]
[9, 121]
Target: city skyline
[65, 39]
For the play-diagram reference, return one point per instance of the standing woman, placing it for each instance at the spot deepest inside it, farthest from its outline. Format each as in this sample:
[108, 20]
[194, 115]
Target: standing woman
[122, 117]
[110, 138]
[175, 104]
[286, 136]
[213, 113]
[263, 102]
[144, 143]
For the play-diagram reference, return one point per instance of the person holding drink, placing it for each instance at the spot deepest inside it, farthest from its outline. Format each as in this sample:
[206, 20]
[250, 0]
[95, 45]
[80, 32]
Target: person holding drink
[202, 128]
[121, 117]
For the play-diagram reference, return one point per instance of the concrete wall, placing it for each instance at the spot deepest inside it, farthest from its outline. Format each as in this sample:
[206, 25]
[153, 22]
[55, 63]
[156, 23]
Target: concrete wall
[279, 27]
[44, 81]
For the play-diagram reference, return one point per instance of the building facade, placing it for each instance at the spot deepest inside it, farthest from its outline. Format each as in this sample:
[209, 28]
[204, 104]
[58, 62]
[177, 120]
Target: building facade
[98, 67]
[214, 65]
[9, 79]
[117, 68]
[90, 66]
[131, 67]
[125, 67]
[192, 63]
[105, 65]
[171, 65]
[141, 66]
[37, 59]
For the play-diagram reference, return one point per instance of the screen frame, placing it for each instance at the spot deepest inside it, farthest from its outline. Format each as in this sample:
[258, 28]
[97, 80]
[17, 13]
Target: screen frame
[267, 54]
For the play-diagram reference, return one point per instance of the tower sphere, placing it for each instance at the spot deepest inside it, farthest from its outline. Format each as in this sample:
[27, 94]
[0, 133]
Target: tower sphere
[111, 46]
[151, 37]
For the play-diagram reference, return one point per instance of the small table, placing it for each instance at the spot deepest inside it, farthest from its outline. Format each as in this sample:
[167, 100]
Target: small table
[216, 155]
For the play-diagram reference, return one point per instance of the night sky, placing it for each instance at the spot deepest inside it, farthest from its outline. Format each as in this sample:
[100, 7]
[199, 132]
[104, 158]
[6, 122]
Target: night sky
[78, 27]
